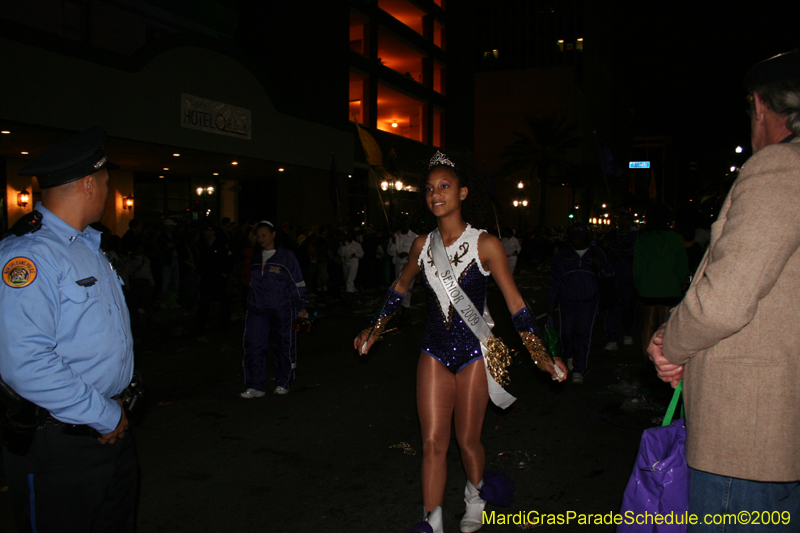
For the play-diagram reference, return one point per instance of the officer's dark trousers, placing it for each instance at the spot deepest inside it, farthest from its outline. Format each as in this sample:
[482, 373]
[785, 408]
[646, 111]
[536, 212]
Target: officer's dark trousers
[69, 483]
[265, 330]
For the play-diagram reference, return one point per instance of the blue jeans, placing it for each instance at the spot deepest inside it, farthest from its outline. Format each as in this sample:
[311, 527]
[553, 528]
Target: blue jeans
[760, 504]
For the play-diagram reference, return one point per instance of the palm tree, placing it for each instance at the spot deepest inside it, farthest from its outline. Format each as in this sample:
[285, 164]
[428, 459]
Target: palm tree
[546, 152]
[585, 181]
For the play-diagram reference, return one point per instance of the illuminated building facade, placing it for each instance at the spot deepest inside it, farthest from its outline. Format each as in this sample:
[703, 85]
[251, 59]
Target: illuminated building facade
[252, 101]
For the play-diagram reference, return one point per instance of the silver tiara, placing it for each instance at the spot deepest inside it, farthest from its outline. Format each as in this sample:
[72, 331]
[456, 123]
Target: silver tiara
[440, 159]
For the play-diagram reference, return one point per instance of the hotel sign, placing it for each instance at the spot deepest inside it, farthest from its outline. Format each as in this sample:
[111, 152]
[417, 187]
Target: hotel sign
[215, 117]
[639, 164]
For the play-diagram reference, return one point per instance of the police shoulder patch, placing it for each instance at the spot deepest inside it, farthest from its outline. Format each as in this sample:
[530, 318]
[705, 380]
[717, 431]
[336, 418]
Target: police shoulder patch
[19, 272]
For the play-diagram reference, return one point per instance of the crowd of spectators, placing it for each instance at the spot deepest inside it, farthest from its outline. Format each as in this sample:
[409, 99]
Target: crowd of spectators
[176, 263]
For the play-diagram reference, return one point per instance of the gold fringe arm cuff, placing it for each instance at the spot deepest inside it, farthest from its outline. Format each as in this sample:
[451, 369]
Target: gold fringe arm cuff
[377, 330]
[497, 360]
[537, 349]
[391, 304]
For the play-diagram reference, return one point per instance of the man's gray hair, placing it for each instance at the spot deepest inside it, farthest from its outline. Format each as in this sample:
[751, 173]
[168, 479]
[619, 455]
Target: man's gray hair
[785, 102]
[777, 82]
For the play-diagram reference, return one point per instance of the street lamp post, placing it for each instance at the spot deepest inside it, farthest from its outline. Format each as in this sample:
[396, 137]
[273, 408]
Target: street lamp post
[391, 185]
[521, 202]
[205, 196]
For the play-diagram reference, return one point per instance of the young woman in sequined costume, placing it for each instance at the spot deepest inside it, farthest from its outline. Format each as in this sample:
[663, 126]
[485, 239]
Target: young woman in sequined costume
[451, 377]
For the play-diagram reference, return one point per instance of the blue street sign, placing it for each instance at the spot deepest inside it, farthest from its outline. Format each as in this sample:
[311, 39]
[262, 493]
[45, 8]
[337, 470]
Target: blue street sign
[639, 164]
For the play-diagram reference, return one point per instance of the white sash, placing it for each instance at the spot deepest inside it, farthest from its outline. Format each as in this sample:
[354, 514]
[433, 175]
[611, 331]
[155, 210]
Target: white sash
[481, 326]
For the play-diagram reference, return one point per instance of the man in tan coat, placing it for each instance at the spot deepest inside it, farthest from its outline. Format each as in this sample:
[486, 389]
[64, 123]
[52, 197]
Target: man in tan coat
[735, 338]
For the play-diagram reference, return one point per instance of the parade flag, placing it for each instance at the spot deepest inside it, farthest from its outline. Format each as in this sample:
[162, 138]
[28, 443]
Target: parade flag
[371, 149]
[333, 185]
[375, 160]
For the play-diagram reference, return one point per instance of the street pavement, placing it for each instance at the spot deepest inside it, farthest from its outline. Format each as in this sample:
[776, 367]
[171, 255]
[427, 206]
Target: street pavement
[342, 451]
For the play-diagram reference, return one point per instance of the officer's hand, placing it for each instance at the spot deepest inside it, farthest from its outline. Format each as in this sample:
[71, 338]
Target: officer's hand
[119, 433]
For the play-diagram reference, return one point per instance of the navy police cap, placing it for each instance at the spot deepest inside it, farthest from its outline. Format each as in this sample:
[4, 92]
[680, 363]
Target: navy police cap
[776, 69]
[70, 159]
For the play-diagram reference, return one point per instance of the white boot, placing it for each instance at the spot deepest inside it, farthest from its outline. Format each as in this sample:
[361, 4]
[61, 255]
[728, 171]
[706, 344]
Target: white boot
[433, 519]
[473, 518]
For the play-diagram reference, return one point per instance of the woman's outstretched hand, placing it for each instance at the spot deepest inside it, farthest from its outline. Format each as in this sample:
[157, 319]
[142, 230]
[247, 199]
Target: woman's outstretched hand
[362, 344]
[564, 372]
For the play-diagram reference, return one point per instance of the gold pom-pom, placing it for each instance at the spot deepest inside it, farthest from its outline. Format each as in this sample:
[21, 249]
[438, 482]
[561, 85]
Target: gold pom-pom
[497, 360]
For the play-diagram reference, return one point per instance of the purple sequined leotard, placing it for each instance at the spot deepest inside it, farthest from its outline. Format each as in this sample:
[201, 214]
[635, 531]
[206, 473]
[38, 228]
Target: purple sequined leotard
[446, 337]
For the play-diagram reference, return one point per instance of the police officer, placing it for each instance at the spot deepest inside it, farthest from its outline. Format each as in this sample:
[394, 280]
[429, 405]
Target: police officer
[66, 347]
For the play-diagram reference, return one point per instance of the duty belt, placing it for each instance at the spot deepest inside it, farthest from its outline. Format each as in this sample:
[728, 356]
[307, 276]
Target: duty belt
[77, 430]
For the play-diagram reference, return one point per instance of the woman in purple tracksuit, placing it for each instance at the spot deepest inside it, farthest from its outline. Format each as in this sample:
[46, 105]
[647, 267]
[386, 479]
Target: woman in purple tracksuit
[277, 296]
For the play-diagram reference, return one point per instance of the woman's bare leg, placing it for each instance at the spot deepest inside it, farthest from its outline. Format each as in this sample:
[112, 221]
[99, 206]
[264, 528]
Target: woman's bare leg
[436, 396]
[472, 397]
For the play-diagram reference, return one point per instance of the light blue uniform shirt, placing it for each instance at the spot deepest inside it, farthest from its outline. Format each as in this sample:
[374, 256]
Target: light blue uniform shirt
[64, 346]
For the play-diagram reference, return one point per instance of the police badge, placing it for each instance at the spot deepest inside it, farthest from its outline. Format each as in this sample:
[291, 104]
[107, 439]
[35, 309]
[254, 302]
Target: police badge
[19, 272]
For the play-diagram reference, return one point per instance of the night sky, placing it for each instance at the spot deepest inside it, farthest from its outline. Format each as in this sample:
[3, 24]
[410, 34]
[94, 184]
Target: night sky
[677, 66]
[681, 69]
[677, 70]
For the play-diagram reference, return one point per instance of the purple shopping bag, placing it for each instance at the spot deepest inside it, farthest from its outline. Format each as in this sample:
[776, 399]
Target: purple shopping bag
[659, 483]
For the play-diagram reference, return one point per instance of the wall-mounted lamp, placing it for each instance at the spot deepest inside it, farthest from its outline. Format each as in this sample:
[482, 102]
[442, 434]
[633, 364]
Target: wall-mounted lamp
[127, 202]
[23, 197]
[205, 190]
